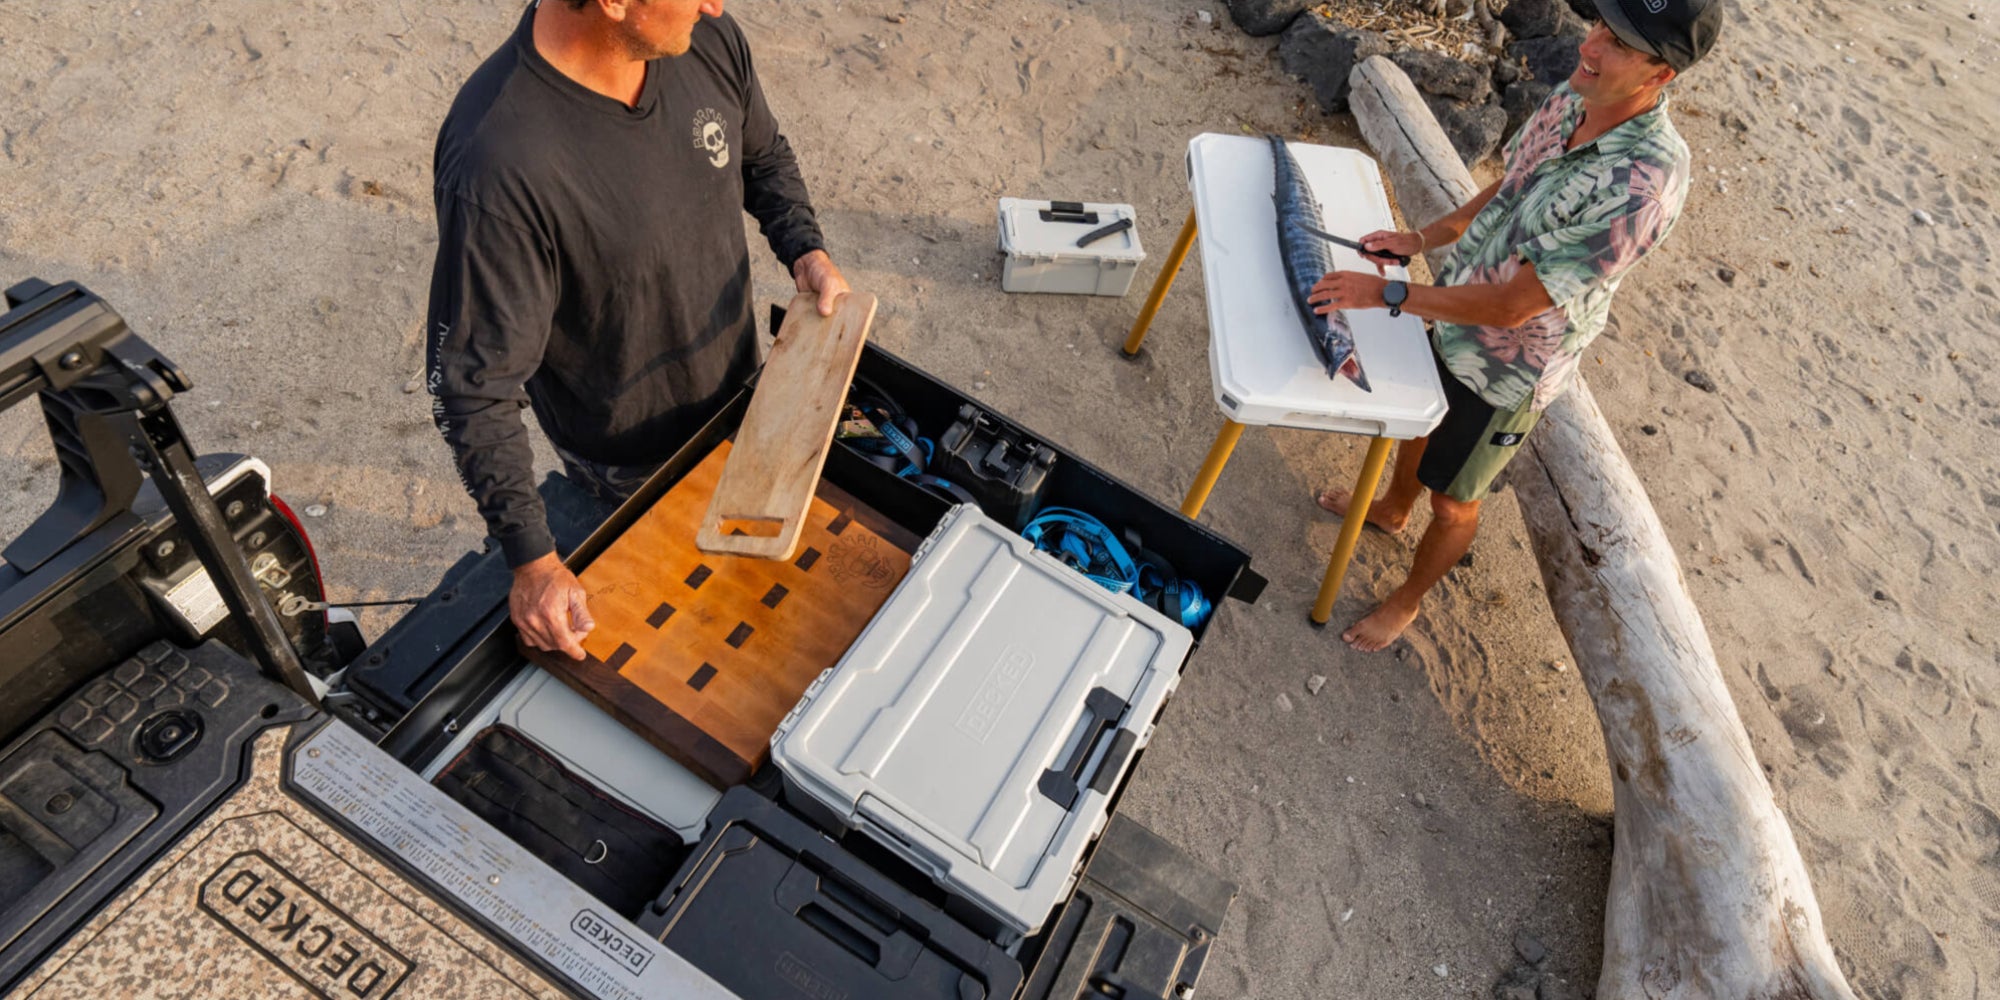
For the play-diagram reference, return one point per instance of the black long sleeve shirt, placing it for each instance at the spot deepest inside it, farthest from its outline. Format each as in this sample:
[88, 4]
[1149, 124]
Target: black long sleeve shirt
[591, 262]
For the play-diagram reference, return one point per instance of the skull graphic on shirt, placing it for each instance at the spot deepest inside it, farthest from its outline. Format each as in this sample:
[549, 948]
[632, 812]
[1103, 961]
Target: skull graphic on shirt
[712, 137]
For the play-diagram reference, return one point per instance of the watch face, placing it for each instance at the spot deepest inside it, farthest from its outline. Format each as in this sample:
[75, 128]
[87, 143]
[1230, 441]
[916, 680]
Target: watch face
[1395, 292]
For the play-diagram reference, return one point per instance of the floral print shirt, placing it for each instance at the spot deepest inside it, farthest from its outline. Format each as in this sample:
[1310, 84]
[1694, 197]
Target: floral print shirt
[1583, 218]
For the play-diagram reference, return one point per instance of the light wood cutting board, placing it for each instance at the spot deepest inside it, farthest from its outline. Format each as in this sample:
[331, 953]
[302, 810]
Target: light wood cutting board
[760, 505]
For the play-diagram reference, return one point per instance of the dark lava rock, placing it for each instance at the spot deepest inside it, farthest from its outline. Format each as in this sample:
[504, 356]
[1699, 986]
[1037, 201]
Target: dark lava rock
[1544, 19]
[1727, 275]
[1649, 429]
[1585, 10]
[1322, 52]
[1434, 73]
[1533, 18]
[1551, 988]
[1700, 380]
[1266, 17]
[1530, 950]
[1521, 100]
[1517, 983]
[1550, 60]
[1474, 129]
[1507, 72]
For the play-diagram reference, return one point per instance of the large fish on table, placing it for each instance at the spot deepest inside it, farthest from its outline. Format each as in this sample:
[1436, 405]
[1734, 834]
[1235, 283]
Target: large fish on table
[1307, 259]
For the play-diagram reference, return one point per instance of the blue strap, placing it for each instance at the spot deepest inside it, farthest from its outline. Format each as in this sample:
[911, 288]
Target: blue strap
[1160, 587]
[1083, 543]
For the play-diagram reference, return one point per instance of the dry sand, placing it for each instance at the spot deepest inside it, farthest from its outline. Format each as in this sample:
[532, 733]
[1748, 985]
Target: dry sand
[249, 184]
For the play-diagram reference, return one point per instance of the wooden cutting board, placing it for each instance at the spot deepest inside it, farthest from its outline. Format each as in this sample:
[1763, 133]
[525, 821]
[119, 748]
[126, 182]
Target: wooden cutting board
[760, 505]
[703, 654]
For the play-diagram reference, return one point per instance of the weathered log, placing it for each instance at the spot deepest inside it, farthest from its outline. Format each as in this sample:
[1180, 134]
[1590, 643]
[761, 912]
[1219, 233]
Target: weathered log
[1709, 897]
[1429, 178]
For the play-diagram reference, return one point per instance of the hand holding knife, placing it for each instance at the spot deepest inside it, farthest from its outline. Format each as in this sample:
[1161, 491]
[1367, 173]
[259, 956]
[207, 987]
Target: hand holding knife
[1399, 259]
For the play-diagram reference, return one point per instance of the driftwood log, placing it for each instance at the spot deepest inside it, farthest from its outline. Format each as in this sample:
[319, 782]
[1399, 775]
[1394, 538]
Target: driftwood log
[1709, 897]
[1429, 178]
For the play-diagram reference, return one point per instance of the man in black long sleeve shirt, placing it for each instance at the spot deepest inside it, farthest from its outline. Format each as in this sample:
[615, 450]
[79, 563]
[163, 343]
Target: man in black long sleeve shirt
[590, 182]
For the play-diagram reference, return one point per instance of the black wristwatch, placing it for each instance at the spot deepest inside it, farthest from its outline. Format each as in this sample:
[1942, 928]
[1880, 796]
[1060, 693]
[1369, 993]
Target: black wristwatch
[1394, 294]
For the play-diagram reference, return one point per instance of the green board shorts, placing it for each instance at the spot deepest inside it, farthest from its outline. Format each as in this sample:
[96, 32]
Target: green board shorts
[1473, 443]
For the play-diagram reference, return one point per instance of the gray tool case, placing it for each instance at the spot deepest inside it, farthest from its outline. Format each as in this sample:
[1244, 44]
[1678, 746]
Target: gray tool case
[980, 725]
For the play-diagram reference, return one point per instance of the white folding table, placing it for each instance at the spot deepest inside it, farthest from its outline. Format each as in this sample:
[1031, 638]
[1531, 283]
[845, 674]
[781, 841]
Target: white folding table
[1263, 369]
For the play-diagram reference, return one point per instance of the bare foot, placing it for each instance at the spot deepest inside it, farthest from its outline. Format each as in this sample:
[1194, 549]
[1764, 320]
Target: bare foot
[1336, 500]
[1382, 627]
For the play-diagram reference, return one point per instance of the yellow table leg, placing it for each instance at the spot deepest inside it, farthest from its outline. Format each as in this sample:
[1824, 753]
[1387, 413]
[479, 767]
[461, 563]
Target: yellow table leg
[1211, 468]
[1160, 286]
[1350, 529]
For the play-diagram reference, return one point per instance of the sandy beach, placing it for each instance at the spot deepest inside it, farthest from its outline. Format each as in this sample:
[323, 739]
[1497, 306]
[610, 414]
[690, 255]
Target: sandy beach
[250, 185]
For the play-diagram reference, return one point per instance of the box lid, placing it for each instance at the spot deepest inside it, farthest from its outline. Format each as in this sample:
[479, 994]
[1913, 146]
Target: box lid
[981, 723]
[1264, 371]
[768, 905]
[1023, 232]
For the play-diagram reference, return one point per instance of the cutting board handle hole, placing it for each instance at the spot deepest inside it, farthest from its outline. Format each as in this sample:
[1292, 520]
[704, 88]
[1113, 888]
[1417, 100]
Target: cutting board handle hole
[755, 527]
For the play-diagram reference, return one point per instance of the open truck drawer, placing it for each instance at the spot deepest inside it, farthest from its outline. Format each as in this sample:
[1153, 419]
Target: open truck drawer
[442, 662]
[441, 692]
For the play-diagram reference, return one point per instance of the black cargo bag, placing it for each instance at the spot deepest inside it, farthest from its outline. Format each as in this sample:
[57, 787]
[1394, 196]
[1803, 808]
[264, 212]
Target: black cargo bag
[620, 856]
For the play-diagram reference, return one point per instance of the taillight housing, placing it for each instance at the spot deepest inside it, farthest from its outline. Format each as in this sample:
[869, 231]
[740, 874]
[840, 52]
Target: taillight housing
[319, 578]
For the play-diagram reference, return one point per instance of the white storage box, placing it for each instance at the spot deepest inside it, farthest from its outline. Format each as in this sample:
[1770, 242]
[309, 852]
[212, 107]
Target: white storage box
[1042, 255]
[982, 723]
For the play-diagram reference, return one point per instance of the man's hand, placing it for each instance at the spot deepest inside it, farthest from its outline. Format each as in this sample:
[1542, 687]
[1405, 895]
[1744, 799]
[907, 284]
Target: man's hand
[1390, 241]
[815, 273]
[549, 607]
[1347, 290]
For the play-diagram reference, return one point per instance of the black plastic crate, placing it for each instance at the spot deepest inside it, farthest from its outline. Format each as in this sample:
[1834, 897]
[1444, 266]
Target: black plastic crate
[768, 906]
[1214, 563]
[1140, 924]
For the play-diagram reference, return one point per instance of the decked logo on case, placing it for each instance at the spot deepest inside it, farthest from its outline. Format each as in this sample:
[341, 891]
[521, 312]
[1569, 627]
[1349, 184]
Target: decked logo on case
[630, 955]
[1505, 439]
[300, 932]
[711, 136]
[802, 977]
[982, 713]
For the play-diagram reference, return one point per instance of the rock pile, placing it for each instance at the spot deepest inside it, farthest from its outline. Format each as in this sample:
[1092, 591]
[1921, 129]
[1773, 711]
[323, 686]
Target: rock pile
[1482, 70]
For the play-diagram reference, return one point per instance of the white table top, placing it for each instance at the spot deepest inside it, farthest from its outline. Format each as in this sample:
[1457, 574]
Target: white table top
[1264, 370]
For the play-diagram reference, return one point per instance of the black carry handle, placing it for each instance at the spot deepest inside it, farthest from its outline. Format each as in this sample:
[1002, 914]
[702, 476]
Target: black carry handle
[1101, 711]
[1355, 245]
[1107, 231]
[849, 917]
[1113, 986]
[1068, 211]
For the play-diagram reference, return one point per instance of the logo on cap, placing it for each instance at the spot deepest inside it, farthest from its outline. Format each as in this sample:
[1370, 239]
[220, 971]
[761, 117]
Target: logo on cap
[1656, 6]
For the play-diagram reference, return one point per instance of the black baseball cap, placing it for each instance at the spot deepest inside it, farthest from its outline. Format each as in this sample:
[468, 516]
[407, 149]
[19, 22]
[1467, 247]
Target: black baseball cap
[1678, 31]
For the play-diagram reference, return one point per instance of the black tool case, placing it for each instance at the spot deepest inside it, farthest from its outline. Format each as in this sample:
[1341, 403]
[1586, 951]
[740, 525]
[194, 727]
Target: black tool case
[768, 905]
[1003, 469]
[1139, 925]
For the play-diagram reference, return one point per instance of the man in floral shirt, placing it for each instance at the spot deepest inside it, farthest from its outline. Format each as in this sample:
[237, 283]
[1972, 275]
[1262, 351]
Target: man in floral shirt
[1593, 181]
